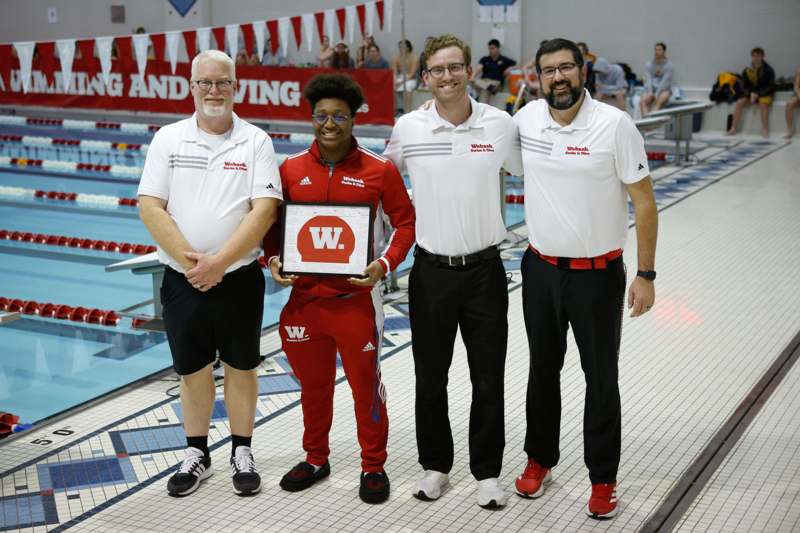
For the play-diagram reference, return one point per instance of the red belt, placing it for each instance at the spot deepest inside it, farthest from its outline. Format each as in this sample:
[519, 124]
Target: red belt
[580, 263]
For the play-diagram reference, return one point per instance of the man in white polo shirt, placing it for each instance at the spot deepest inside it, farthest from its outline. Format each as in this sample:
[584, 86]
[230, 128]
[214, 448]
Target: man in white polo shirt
[208, 193]
[453, 152]
[582, 160]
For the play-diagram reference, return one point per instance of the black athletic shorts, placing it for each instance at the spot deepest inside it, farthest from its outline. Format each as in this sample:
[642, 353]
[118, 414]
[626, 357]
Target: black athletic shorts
[226, 318]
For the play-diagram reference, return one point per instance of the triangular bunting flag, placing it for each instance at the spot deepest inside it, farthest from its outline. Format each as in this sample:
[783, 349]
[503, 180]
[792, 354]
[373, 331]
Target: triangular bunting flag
[247, 33]
[361, 16]
[369, 8]
[25, 55]
[321, 31]
[89, 62]
[6, 60]
[298, 30]
[341, 16]
[351, 23]
[283, 30]
[219, 36]
[124, 52]
[190, 40]
[260, 29]
[46, 60]
[141, 42]
[66, 55]
[330, 21]
[203, 39]
[158, 41]
[232, 39]
[272, 27]
[104, 45]
[308, 27]
[387, 8]
[172, 48]
[379, 10]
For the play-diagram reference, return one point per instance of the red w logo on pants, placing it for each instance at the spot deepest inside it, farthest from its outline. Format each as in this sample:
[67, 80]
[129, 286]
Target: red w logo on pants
[326, 239]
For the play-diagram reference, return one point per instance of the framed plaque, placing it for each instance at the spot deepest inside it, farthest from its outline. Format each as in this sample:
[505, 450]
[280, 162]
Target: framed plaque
[326, 239]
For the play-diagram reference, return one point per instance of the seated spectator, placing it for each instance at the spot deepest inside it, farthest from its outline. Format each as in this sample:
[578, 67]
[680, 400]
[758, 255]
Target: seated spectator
[759, 87]
[658, 81]
[363, 51]
[374, 58]
[325, 56]
[491, 71]
[273, 60]
[406, 67]
[341, 57]
[243, 59]
[610, 82]
[794, 102]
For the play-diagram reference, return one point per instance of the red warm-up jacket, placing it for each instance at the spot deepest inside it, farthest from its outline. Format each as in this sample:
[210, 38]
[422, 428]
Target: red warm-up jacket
[362, 177]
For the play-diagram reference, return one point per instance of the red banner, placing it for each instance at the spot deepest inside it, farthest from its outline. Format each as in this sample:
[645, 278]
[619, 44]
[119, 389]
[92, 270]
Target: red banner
[264, 92]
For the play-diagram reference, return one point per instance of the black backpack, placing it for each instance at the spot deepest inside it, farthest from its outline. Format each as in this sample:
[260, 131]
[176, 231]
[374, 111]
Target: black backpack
[727, 88]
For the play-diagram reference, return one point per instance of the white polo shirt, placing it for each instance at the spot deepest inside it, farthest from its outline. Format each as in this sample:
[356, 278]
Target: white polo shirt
[208, 192]
[576, 204]
[454, 172]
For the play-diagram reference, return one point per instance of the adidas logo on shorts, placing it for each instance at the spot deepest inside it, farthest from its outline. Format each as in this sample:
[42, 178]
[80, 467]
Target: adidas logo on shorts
[305, 181]
[368, 347]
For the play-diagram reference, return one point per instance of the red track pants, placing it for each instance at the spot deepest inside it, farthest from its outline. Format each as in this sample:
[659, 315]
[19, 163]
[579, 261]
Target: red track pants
[312, 330]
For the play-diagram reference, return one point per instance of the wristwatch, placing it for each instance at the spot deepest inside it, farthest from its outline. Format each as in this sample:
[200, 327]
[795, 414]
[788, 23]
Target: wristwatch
[649, 275]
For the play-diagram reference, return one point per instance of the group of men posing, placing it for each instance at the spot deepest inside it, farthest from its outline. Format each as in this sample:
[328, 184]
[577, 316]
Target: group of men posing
[211, 190]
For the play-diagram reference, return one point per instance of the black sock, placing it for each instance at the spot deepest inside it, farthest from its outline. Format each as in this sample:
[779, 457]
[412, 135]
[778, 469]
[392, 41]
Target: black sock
[237, 441]
[201, 443]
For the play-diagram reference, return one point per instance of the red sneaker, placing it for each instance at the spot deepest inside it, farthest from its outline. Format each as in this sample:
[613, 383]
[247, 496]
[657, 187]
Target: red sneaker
[531, 483]
[603, 501]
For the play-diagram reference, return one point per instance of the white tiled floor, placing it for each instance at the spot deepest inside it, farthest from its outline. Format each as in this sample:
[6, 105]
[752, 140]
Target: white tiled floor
[728, 301]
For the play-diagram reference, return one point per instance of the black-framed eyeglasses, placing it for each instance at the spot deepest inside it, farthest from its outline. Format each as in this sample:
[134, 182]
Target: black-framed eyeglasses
[338, 118]
[563, 68]
[222, 85]
[454, 68]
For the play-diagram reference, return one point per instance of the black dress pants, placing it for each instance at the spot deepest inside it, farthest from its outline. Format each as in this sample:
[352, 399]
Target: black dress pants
[591, 301]
[442, 299]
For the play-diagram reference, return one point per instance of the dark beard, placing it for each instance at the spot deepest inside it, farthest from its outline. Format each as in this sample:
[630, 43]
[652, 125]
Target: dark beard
[566, 101]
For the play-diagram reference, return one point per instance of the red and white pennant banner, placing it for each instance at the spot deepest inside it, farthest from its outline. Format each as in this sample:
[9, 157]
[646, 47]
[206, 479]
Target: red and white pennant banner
[339, 22]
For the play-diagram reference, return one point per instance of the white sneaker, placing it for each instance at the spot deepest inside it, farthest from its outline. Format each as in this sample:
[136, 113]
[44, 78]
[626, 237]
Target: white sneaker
[429, 488]
[490, 494]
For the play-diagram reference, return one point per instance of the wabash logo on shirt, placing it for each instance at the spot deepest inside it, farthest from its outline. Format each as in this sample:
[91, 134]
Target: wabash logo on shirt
[577, 150]
[234, 165]
[326, 239]
[479, 147]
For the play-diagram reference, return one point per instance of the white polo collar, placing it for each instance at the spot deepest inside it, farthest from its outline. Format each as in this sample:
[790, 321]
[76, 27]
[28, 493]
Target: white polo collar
[238, 135]
[438, 123]
[581, 121]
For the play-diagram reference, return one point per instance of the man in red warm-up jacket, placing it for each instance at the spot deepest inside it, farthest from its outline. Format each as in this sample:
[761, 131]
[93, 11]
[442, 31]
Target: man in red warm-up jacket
[329, 314]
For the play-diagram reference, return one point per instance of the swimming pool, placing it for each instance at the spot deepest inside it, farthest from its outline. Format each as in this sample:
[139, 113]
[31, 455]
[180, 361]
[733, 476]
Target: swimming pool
[48, 365]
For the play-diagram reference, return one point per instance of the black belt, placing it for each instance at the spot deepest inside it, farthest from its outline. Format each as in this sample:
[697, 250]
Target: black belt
[458, 260]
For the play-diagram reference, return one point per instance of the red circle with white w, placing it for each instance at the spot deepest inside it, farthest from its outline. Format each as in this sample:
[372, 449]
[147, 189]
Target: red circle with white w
[326, 239]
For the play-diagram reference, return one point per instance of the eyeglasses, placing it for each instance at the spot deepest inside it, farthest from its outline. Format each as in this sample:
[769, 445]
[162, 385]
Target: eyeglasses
[454, 68]
[322, 118]
[563, 68]
[222, 85]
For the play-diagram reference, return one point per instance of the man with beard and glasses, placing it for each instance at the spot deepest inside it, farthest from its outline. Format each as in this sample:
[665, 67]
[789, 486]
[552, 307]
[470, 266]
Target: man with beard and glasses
[453, 151]
[581, 159]
[209, 191]
[330, 314]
